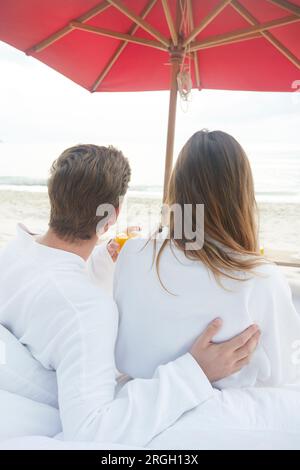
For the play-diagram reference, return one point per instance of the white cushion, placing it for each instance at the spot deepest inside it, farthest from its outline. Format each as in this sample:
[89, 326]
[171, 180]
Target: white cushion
[23, 375]
[20, 416]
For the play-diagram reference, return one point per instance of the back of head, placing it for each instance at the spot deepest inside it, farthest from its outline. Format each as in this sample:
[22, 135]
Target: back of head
[83, 178]
[212, 169]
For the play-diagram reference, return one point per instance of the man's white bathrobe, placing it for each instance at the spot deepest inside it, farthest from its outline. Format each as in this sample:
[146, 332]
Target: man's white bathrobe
[69, 324]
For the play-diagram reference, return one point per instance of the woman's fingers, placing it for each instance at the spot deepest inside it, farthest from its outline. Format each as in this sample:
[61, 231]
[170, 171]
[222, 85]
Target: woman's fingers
[113, 249]
[113, 245]
[249, 348]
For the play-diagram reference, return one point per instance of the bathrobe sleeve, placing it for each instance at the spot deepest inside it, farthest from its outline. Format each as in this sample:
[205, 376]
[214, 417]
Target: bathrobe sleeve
[273, 310]
[81, 349]
[101, 268]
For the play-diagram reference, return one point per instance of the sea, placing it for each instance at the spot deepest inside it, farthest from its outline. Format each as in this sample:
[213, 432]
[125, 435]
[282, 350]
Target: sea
[277, 180]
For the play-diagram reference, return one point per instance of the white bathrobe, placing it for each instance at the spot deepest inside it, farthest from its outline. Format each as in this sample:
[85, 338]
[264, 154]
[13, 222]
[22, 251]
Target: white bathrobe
[158, 325]
[69, 324]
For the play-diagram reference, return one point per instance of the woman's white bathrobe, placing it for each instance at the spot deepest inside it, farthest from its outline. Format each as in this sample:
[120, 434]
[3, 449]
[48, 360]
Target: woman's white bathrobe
[157, 326]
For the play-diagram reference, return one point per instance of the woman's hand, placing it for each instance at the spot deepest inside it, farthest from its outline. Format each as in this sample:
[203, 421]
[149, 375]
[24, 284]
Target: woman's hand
[113, 249]
[220, 360]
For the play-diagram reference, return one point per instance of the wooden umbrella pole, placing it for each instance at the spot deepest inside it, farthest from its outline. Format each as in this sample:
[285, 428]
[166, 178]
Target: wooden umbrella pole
[175, 68]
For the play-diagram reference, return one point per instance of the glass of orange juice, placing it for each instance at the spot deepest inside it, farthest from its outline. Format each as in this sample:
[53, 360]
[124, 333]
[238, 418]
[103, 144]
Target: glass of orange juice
[123, 237]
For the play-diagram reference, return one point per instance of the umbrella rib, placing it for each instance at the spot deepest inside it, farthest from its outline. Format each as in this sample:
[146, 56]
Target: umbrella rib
[117, 35]
[243, 33]
[140, 21]
[170, 22]
[121, 48]
[195, 54]
[206, 21]
[68, 28]
[266, 34]
[290, 7]
[231, 41]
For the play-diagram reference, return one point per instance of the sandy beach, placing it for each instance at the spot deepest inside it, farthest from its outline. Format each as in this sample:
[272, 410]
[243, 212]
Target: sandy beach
[279, 222]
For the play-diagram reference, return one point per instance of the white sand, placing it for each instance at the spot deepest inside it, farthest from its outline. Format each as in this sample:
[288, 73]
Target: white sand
[32, 209]
[280, 223]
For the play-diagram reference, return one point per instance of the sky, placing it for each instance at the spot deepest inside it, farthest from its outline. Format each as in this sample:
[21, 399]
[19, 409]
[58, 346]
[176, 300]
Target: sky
[42, 113]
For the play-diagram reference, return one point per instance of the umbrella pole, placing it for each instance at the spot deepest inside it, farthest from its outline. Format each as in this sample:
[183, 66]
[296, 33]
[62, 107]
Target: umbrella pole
[175, 68]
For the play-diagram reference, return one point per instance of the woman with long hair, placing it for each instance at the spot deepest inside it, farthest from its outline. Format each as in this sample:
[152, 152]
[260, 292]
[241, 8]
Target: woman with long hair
[171, 287]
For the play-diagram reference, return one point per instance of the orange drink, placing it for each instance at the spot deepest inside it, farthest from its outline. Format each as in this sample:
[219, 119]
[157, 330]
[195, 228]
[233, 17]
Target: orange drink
[122, 238]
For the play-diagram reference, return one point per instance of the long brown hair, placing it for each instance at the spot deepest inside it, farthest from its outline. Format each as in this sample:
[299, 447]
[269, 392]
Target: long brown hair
[213, 169]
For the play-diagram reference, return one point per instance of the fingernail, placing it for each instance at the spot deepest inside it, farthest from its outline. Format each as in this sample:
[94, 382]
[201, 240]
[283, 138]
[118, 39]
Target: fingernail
[218, 321]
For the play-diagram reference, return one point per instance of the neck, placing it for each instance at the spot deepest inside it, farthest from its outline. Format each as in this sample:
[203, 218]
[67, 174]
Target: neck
[82, 248]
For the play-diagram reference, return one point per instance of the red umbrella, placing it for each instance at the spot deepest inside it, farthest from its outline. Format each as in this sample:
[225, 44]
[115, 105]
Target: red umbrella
[134, 45]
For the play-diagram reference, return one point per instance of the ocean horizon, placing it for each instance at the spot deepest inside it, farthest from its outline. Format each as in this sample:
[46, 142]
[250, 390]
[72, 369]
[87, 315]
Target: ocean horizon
[272, 193]
[25, 199]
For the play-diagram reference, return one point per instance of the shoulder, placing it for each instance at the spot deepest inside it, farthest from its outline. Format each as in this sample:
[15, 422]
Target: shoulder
[269, 274]
[140, 252]
[134, 262]
[136, 245]
[78, 296]
[135, 249]
[146, 246]
[269, 285]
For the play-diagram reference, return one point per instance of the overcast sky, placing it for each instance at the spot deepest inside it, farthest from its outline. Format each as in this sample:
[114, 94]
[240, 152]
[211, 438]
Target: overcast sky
[42, 112]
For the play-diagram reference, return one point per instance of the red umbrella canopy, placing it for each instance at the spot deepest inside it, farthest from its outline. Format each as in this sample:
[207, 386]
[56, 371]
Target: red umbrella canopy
[125, 45]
